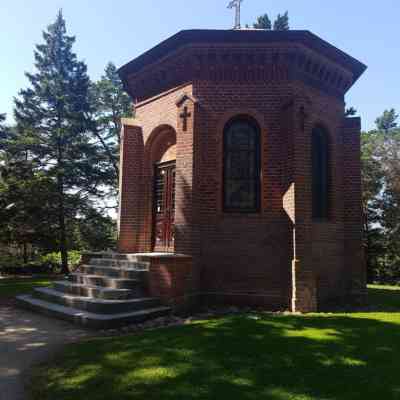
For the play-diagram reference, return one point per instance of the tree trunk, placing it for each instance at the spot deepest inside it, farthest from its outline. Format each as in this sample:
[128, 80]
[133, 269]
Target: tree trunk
[61, 222]
[25, 250]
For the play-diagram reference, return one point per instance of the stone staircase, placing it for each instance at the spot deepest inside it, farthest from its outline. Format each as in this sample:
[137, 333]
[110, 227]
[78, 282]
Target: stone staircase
[106, 293]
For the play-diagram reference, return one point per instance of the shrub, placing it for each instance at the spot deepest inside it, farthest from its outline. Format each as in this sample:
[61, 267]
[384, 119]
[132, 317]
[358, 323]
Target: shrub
[54, 259]
[48, 263]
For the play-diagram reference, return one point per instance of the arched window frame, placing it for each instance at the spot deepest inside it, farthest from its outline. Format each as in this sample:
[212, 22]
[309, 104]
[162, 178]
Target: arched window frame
[255, 178]
[321, 176]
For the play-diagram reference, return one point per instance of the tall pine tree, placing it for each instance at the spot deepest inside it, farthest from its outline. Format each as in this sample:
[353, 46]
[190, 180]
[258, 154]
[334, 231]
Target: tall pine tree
[263, 22]
[111, 103]
[2, 119]
[387, 121]
[282, 22]
[373, 185]
[54, 120]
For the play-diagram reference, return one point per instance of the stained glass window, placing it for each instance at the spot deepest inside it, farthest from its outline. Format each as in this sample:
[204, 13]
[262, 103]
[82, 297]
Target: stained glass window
[320, 173]
[242, 165]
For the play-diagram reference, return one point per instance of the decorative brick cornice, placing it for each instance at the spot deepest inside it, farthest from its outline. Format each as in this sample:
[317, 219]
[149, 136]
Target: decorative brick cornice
[225, 64]
[243, 37]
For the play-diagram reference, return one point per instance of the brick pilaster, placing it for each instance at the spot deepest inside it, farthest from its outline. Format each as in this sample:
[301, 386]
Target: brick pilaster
[184, 219]
[131, 193]
[304, 285]
[354, 252]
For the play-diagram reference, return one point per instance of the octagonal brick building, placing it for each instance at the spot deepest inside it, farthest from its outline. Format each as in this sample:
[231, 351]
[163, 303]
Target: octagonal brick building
[240, 173]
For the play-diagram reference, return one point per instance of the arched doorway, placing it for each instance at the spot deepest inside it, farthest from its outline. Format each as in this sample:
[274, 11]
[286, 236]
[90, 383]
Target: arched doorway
[163, 162]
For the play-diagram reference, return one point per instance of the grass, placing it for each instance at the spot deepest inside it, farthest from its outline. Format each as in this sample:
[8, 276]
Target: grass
[11, 287]
[260, 356]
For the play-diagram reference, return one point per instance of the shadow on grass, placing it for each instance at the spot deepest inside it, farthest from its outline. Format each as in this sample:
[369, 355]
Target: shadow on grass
[383, 299]
[379, 299]
[241, 357]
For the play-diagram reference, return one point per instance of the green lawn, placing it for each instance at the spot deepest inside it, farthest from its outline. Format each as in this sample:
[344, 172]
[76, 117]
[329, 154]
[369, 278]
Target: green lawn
[15, 286]
[321, 356]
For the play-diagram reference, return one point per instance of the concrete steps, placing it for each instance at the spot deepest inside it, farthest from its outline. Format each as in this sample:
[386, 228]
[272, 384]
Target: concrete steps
[121, 263]
[96, 305]
[88, 319]
[105, 281]
[97, 292]
[112, 272]
[105, 293]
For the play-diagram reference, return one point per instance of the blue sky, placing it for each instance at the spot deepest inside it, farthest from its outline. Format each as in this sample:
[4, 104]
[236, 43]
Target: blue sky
[119, 30]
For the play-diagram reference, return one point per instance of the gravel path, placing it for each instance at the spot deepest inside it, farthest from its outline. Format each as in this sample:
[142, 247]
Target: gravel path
[26, 339]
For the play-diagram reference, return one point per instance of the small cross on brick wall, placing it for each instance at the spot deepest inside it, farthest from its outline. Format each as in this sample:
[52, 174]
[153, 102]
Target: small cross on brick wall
[185, 115]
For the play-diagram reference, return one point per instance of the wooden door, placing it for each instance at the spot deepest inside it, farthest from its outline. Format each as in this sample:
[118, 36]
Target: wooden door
[164, 207]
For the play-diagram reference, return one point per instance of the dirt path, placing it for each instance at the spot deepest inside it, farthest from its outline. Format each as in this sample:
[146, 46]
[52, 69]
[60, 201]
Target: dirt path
[26, 339]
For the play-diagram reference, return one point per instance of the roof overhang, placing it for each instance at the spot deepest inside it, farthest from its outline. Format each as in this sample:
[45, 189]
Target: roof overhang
[197, 36]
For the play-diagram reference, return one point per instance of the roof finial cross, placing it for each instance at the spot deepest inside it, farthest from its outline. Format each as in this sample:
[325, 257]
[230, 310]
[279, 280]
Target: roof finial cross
[236, 4]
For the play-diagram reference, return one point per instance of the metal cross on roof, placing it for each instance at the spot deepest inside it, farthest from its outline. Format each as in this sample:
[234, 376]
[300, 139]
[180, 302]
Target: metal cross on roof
[236, 4]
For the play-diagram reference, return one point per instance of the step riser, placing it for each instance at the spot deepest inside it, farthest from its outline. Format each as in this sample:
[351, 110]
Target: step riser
[108, 262]
[86, 291]
[98, 308]
[90, 322]
[105, 282]
[111, 272]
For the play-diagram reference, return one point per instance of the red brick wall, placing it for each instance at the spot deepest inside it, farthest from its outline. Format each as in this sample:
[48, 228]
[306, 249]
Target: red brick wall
[131, 210]
[159, 118]
[242, 255]
[254, 258]
[353, 249]
[170, 279]
[326, 237]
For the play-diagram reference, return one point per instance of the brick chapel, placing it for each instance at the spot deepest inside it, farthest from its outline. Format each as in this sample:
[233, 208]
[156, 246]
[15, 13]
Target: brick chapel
[240, 173]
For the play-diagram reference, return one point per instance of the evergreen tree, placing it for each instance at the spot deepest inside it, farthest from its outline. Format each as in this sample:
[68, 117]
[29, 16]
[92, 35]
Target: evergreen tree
[282, 22]
[387, 121]
[27, 211]
[381, 197]
[54, 120]
[263, 22]
[373, 184]
[2, 120]
[94, 231]
[351, 111]
[111, 104]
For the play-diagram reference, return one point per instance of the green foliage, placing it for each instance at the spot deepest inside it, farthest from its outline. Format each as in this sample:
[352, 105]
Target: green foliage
[55, 259]
[8, 260]
[2, 119]
[55, 125]
[111, 103]
[11, 264]
[387, 121]
[95, 231]
[381, 198]
[263, 22]
[351, 111]
[282, 22]
[255, 356]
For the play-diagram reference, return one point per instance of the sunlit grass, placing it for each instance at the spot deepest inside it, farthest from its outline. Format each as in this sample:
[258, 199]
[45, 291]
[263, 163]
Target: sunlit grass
[16, 286]
[320, 356]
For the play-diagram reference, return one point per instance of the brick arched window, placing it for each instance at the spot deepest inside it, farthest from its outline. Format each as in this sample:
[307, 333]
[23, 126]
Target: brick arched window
[241, 181]
[320, 173]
